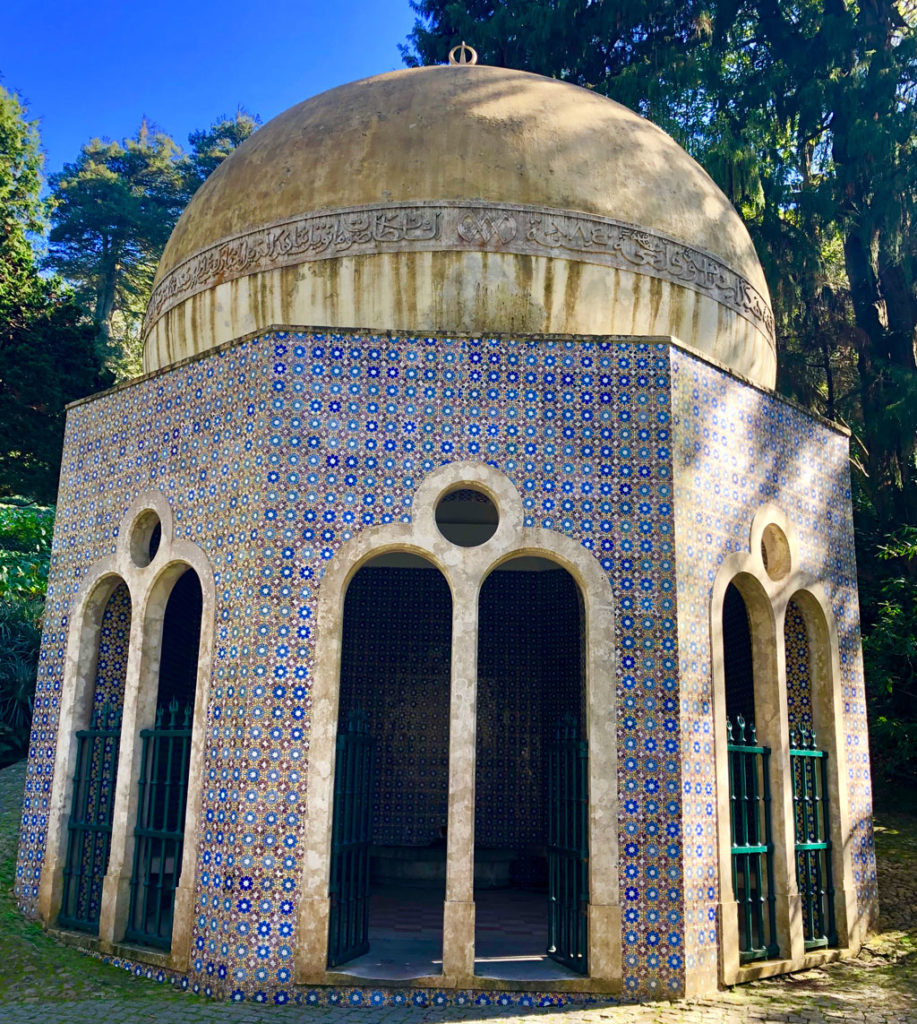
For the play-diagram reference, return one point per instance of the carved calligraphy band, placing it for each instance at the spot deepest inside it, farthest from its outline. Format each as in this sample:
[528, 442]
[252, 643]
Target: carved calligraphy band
[453, 226]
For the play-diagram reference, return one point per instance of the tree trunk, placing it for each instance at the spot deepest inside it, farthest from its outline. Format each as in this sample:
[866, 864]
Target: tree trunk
[105, 296]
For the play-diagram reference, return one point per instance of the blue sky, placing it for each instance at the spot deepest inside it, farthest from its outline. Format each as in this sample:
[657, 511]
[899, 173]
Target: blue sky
[93, 69]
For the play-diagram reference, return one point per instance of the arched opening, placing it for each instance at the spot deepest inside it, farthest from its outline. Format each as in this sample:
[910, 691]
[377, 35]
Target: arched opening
[96, 770]
[751, 839]
[738, 658]
[388, 856]
[810, 761]
[162, 786]
[531, 873]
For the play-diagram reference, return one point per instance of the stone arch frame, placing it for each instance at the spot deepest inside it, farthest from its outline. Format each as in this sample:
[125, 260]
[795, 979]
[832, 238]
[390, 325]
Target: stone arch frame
[76, 705]
[766, 600]
[149, 586]
[465, 569]
[828, 721]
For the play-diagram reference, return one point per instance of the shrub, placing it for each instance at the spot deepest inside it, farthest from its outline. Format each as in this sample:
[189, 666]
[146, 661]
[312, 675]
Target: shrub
[25, 550]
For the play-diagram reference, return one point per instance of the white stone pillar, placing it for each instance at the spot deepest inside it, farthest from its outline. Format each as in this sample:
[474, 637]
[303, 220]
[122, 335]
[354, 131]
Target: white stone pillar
[458, 911]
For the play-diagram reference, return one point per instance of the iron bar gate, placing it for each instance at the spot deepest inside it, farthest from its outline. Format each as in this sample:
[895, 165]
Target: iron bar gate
[351, 837]
[752, 846]
[813, 844]
[568, 848]
[159, 833]
[89, 828]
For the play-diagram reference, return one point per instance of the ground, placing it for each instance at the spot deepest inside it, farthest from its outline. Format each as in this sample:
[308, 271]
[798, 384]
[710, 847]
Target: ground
[43, 982]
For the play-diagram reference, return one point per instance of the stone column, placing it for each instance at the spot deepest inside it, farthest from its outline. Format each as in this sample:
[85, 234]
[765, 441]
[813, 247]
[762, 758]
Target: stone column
[772, 722]
[140, 692]
[458, 912]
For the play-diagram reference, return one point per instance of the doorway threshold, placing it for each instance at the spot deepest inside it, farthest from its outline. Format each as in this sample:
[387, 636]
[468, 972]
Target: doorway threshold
[523, 968]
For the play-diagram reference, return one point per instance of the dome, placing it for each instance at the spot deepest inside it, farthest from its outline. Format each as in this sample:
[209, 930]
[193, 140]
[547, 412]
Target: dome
[463, 199]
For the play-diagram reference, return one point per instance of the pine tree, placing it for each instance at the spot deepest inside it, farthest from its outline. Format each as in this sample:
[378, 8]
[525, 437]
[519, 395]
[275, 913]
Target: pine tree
[46, 351]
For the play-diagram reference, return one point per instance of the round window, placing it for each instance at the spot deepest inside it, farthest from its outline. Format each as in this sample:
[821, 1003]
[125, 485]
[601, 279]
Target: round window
[467, 517]
[146, 534]
[775, 552]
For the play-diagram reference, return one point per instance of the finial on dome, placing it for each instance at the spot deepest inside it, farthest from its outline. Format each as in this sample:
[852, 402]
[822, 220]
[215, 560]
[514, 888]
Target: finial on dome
[466, 54]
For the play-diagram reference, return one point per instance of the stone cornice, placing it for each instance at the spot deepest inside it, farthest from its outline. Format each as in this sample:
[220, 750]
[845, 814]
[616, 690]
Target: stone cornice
[460, 227]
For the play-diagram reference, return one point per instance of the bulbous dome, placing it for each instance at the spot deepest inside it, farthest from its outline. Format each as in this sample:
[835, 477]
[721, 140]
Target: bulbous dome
[463, 199]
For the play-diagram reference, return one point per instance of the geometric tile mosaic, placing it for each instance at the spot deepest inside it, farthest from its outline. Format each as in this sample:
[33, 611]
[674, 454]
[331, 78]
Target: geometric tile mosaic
[736, 448]
[276, 450]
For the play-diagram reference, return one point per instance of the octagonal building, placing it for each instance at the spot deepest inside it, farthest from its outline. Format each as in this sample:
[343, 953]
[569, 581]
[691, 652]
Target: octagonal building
[453, 611]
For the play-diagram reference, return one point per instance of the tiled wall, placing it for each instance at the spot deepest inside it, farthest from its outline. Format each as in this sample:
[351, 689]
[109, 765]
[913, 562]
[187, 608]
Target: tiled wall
[395, 668]
[275, 451]
[114, 640]
[395, 661]
[798, 655]
[737, 449]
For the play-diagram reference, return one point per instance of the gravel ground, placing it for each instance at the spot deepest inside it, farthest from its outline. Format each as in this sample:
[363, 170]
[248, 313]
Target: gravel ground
[44, 982]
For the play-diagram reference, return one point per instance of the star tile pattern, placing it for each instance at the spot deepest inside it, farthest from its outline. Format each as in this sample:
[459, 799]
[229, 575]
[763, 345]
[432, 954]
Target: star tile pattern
[276, 450]
[738, 448]
[798, 685]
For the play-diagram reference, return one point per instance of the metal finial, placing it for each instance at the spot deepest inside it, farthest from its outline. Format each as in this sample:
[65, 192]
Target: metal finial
[466, 54]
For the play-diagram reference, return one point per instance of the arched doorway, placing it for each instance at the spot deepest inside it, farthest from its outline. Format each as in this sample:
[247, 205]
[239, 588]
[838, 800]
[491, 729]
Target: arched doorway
[531, 871]
[809, 766]
[751, 840]
[388, 855]
[96, 770]
[162, 786]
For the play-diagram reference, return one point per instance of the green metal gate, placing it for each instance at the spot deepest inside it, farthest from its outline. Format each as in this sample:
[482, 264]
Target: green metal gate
[752, 846]
[568, 848]
[813, 845]
[351, 837]
[89, 828]
[159, 833]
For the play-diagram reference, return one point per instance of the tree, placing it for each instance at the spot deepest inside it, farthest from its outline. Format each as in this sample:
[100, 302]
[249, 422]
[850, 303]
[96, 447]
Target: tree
[210, 146]
[805, 115]
[113, 211]
[21, 209]
[20, 168]
[823, 96]
[890, 654]
[46, 351]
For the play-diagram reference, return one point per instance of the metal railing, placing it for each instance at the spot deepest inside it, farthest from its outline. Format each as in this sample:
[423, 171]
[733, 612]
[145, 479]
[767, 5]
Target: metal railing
[159, 832]
[351, 837]
[568, 848]
[752, 845]
[813, 843]
[89, 828]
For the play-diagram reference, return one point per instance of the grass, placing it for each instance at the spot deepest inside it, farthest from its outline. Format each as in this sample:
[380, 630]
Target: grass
[37, 968]
[34, 966]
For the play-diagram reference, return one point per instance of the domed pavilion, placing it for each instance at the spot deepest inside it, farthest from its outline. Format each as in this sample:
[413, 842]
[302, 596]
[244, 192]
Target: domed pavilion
[453, 608]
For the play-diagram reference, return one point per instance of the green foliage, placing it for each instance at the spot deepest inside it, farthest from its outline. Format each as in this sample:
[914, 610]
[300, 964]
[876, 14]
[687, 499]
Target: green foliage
[21, 210]
[20, 639]
[45, 363]
[890, 653]
[210, 146]
[25, 552]
[20, 168]
[113, 211]
[46, 348]
[26, 530]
